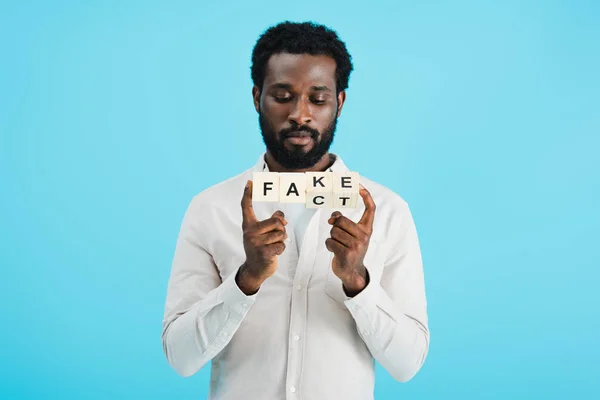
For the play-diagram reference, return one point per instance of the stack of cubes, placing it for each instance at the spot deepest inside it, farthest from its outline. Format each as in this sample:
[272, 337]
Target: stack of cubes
[314, 189]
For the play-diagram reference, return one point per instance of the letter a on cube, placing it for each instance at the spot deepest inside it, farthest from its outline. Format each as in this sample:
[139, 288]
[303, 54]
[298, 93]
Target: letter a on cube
[292, 187]
[265, 186]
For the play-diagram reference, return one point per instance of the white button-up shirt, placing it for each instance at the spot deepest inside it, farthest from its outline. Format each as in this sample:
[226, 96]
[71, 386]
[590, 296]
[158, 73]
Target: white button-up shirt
[299, 336]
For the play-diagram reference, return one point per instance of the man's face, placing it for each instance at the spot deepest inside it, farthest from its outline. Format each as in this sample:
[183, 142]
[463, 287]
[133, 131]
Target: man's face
[298, 108]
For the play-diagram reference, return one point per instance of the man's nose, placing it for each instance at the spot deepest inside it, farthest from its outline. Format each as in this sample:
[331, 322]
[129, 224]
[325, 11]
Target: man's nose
[300, 114]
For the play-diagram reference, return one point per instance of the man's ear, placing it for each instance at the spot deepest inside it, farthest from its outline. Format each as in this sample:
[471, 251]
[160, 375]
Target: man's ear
[256, 97]
[341, 98]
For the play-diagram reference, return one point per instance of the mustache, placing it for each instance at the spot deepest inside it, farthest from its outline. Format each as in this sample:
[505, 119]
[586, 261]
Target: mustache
[297, 132]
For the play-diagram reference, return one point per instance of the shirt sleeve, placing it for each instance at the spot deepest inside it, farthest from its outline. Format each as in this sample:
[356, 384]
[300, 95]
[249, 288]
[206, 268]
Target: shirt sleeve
[202, 311]
[391, 313]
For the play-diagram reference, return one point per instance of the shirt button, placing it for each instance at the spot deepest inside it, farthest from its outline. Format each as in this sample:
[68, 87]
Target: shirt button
[244, 305]
[293, 389]
[299, 287]
[224, 334]
[366, 333]
[296, 337]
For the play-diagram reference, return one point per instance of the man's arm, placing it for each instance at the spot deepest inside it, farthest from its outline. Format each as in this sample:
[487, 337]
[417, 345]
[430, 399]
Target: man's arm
[391, 313]
[201, 312]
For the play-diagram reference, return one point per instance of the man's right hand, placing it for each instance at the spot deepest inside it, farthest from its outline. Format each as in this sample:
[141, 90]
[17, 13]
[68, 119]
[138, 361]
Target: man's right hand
[263, 242]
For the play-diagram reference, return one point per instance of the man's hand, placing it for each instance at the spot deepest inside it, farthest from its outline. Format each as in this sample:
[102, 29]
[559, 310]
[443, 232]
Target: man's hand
[263, 242]
[349, 242]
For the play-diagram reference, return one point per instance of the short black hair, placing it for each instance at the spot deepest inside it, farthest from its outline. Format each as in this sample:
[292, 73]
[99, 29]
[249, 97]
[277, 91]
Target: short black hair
[301, 38]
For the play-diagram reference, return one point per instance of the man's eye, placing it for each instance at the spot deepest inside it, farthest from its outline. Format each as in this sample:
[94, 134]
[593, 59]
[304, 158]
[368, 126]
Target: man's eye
[282, 99]
[319, 101]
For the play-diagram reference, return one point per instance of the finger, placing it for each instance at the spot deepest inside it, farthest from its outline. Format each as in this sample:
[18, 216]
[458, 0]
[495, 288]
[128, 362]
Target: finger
[268, 225]
[275, 249]
[334, 246]
[335, 215]
[349, 226]
[368, 216]
[342, 236]
[279, 214]
[273, 237]
[248, 216]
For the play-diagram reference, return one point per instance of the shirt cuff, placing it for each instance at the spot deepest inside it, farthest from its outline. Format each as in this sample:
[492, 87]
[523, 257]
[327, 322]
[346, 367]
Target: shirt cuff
[371, 297]
[367, 298]
[233, 297]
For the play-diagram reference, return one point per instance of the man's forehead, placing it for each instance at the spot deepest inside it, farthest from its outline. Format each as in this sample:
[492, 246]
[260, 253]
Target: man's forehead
[317, 70]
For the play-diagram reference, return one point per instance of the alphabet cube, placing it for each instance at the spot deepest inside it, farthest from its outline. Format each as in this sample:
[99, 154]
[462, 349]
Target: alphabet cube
[265, 186]
[345, 199]
[319, 181]
[345, 189]
[292, 187]
[319, 199]
[345, 182]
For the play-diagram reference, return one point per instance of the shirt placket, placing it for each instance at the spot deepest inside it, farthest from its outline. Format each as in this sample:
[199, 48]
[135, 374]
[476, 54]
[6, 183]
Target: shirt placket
[299, 308]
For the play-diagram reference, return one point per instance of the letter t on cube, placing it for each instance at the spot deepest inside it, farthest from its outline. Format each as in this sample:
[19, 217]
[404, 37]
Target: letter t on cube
[265, 186]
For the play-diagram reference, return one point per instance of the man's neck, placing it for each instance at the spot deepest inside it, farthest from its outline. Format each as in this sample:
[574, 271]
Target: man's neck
[325, 162]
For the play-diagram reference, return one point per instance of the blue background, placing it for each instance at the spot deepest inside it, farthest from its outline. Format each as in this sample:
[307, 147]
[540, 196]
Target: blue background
[484, 116]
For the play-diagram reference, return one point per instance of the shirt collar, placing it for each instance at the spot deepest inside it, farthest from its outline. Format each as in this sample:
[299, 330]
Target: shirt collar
[337, 166]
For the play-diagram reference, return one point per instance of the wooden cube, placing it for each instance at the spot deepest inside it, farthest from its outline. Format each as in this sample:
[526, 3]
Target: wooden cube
[319, 181]
[315, 199]
[265, 186]
[292, 187]
[345, 182]
[345, 199]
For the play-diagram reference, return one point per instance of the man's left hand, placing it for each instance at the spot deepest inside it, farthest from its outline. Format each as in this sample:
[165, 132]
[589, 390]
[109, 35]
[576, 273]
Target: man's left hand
[349, 242]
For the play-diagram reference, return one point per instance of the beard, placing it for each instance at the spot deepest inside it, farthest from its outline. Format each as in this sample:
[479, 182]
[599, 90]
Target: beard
[297, 158]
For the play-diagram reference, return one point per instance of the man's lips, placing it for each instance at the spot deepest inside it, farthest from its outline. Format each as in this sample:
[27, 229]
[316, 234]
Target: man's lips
[298, 134]
[299, 140]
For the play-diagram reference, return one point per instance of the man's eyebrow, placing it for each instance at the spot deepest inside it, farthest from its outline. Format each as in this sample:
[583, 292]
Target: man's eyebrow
[288, 86]
[320, 88]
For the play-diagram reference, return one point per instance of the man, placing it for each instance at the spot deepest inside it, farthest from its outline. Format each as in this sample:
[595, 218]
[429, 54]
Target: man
[292, 302]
